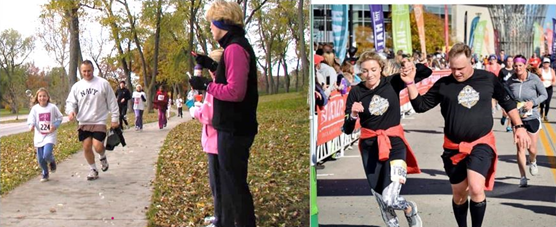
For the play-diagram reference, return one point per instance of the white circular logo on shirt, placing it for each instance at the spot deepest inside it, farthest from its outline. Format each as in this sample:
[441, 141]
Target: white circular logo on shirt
[468, 97]
[378, 105]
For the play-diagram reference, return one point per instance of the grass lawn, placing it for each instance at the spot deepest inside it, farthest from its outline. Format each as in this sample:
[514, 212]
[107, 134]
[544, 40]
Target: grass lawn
[278, 169]
[18, 155]
[6, 112]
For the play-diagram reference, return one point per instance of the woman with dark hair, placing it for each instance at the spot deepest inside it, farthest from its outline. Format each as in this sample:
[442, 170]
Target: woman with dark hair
[528, 91]
[548, 79]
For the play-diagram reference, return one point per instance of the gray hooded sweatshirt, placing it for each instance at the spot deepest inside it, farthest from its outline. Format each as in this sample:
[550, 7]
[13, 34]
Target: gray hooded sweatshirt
[531, 89]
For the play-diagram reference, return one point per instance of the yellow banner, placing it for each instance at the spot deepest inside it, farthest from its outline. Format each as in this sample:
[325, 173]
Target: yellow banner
[418, 10]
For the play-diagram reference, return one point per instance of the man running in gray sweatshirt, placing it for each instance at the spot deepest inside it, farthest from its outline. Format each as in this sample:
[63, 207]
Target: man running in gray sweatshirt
[90, 101]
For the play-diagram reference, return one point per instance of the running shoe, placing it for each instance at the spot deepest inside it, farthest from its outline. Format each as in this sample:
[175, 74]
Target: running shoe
[523, 182]
[503, 120]
[53, 167]
[210, 219]
[509, 129]
[545, 119]
[413, 219]
[533, 169]
[104, 164]
[44, 178]
[93, 175]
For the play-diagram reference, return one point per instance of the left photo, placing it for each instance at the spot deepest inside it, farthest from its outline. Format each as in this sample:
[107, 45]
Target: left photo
[155, 113]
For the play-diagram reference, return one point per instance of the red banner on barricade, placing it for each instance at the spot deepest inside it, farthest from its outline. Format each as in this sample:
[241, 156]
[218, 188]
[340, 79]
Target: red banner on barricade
[331, 118]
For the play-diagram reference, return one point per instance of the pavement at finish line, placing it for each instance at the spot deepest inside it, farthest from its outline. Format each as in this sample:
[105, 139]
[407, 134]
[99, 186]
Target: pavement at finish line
[345, 200]
[119, 197]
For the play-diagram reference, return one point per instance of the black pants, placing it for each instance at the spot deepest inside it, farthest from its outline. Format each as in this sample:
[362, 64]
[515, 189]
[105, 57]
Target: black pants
[545, 106]
[214, 182]
[180, 112]
[233, 158]
[123, 112]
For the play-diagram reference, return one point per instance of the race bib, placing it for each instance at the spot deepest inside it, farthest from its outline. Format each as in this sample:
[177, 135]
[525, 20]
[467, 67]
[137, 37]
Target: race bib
[398, 170]
[136, 100]
[44, 123]
[160, 97]
[522, 112]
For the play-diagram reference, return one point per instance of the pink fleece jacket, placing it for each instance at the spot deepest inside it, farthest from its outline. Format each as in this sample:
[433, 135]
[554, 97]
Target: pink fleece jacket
[204, 115]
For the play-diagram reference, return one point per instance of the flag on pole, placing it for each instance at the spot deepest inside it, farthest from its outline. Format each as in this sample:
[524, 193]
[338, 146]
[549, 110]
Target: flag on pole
[472, 30]
[340, 30]
[418, 10]
[401, 28]
[378, 27]
[478, 38]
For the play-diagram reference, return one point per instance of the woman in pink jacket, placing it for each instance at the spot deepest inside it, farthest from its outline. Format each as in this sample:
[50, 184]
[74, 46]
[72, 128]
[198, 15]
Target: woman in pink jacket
[203, 113]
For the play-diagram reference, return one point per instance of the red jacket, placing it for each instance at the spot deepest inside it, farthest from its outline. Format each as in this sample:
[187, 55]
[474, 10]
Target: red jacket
[161, 100]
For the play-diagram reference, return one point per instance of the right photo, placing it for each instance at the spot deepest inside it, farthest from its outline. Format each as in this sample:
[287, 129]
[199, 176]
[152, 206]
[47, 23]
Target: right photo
[433, 115]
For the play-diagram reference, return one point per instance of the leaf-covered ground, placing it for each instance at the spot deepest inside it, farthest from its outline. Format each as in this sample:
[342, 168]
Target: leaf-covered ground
[18, 155]
[278, 169]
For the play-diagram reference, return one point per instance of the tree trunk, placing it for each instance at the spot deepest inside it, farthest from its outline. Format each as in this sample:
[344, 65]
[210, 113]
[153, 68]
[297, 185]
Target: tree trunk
[278, 77]
[73, 17]
[152, 88]
[286, 74]
[297, 76]
[191, 32]
[304, 61]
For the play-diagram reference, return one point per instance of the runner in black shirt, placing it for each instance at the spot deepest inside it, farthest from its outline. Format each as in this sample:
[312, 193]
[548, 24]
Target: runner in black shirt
[504, 74]
[383, 147]
[469, 147]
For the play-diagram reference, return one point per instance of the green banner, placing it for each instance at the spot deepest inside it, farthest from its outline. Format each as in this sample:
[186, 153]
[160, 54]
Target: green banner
[479, 38]
[537, 38]
[313, 198]
[401, 28]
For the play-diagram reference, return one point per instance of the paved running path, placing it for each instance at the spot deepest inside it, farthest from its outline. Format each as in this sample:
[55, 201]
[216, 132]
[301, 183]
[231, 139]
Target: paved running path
[68, 199]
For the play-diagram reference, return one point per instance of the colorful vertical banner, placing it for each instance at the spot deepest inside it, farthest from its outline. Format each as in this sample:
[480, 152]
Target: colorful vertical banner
[472, 30]
[401, 28]
[340, 30]
[418, 10]
[553, 36]
[378, 27]
[496, 42]
[488, 48]
[541, 36]
[479, 37]
[536, 39]
[446, 29]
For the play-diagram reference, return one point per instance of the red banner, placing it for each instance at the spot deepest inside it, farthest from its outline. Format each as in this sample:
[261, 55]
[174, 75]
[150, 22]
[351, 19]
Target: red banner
[424, 85]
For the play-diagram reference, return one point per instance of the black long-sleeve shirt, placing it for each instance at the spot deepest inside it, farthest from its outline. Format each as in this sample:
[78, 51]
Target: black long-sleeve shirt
[382, 104]
[466, 106]
[123, 93]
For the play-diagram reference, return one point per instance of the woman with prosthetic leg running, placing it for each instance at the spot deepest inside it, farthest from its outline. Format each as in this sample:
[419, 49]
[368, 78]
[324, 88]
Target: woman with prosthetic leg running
[386, 155]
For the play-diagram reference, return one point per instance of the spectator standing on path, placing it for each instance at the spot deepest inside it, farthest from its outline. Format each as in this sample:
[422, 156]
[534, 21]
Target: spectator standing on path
[139, 99]
[209, 139]
[235, 109]
[384, 149]
[505, 74]
[469, 146]
[123, 96]
[179, 105]
[528, 91]
[44, 118]
[161, 103]
[548, 79]
[90, 101]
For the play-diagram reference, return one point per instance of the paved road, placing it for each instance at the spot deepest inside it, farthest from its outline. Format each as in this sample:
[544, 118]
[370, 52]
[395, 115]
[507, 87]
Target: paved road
[344, 197]
[120, 197]
[18, 127]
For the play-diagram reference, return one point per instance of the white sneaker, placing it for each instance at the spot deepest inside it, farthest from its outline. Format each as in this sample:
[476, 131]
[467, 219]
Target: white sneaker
[523, 182]
[104, 164]
[534, 169]
[93, 175]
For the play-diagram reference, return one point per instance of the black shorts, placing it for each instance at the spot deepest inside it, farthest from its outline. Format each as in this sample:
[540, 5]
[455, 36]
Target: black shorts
[480, 161]
[532, 126]
[100, 136]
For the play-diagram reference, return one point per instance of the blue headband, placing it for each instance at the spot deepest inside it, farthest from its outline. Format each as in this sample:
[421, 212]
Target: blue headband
[222, 25]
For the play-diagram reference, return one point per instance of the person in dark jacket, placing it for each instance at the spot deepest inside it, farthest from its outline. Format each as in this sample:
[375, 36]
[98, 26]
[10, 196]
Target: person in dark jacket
[235, 110]
[123, 95]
